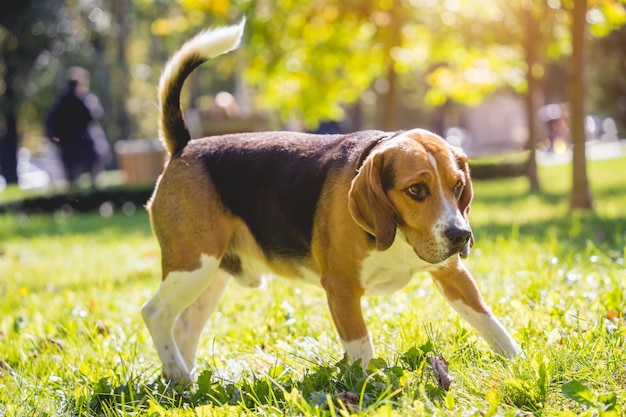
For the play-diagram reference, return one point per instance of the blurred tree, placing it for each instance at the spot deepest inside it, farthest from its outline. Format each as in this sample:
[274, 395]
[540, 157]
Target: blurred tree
[607, 86]
[304, 61]
[38, 42]
[531, 40]
[546, 31]
[324, 56]
[122, 22]
[100, 31]
[581, 193]
[330, 52]
[603, 17]
[510, 41]
[23, 36]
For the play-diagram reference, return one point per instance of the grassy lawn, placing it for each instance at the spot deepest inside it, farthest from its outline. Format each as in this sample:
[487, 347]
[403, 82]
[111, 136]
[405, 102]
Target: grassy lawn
[72, 342]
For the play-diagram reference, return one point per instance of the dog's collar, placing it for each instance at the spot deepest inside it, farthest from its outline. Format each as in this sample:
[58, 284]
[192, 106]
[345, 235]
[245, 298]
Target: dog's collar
[371, 146]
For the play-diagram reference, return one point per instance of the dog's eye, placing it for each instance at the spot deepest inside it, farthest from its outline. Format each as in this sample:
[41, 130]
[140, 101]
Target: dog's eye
[418, 192]
[458, 187]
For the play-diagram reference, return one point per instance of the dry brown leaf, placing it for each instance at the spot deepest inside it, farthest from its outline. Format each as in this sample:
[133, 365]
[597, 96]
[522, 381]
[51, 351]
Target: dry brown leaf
[350, 399]
[440, 369]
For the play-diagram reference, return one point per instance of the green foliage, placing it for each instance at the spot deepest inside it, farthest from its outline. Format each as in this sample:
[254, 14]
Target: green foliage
[320, 59]
[72, 341]
[339, 386]
[603, 404]
[307, 61]
[606, 16]
[302, 61]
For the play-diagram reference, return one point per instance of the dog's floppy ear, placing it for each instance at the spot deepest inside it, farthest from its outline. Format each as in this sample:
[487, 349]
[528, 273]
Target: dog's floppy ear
[465, 199]
[369, 204]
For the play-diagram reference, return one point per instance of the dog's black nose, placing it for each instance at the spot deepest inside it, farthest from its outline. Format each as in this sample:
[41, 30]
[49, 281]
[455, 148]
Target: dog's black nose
[458, 237]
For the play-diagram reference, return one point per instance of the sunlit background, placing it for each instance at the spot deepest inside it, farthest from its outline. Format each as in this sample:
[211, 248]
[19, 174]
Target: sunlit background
[461, 68]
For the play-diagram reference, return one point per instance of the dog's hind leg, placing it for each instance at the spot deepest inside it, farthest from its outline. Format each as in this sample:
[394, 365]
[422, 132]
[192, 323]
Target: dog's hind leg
[178, 291]
[191, 321]
[193, 233]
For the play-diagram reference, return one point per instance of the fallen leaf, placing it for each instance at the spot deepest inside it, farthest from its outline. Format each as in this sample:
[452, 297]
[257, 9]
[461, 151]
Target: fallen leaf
[350, 399]
[440, 369]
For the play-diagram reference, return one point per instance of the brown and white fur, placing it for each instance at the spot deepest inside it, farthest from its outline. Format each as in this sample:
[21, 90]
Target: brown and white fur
[358, 214]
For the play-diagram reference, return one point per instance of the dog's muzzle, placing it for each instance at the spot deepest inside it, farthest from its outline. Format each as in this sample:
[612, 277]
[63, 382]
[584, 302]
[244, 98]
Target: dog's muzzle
[459, 238]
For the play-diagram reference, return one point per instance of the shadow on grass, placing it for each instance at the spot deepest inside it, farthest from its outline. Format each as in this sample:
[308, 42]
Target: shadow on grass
[112, 210]
[573, 232]
[546, 197]
[512, 198]
[573, 229]
[65, 224]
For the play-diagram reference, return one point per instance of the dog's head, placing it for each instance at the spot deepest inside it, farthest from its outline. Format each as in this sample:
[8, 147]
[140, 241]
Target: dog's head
[418, 183]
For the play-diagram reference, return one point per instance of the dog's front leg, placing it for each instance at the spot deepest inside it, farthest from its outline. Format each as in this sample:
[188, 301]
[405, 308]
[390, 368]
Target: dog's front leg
[344, 301]
[458, 287]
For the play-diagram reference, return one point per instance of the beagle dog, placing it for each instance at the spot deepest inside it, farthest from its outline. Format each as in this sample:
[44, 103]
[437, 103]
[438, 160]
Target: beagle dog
[358, 214]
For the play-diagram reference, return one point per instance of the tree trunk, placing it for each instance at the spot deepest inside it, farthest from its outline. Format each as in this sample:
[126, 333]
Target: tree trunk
[9, 141]
[390, 102]
[530, 100]
[581, 194]
[122, 12]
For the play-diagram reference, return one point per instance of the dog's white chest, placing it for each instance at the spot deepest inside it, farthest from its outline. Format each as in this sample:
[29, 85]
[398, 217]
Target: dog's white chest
[390, 270]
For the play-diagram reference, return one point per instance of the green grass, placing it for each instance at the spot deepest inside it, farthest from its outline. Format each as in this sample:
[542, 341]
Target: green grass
[72, 341]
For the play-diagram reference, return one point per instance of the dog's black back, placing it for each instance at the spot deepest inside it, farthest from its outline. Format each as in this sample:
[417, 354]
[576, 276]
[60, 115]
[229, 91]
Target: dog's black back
[273, 180]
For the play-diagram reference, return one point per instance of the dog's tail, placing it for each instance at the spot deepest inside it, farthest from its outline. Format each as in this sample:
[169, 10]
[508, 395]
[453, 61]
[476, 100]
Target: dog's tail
[173, 130]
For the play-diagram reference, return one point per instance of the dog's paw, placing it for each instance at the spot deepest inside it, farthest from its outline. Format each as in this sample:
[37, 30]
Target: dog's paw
[510, 349]
[177, 374]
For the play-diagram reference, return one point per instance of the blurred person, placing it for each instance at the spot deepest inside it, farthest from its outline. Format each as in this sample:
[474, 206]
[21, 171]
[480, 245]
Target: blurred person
[556, 118]
[72, 125]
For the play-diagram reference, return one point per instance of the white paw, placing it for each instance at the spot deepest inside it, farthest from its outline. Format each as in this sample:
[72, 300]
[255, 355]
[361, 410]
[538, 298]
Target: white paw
[359, 349]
